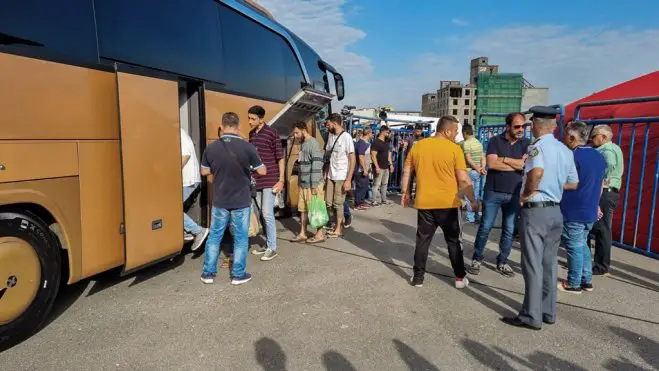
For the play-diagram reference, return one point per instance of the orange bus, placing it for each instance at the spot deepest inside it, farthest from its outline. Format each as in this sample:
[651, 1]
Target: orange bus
[92, 98]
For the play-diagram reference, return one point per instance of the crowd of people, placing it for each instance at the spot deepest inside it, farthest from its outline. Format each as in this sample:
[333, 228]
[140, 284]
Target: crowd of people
[549, 192]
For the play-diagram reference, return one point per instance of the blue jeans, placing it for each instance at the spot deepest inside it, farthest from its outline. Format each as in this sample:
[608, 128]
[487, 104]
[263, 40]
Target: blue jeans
[346, 210]
[476, 181]
[579, 263]
[189, 224]
[509, 204]
[265, 199]
[239, 219]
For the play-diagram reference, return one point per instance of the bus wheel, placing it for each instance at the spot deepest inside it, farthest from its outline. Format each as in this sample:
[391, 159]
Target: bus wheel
[30, 269]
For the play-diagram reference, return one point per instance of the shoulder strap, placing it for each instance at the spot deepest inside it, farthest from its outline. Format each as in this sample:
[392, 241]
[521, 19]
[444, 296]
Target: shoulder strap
[235, 160]
[335, 140]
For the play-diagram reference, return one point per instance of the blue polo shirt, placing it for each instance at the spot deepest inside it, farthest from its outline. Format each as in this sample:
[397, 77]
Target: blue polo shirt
[581, 204]
[557, 161]
[505, 181]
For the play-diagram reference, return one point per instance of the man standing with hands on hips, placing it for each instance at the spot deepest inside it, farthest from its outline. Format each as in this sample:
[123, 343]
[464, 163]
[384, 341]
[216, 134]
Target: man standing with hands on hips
[548, 171]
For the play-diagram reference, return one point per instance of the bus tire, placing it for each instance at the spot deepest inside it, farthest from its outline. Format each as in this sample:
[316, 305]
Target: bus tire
[30, 282]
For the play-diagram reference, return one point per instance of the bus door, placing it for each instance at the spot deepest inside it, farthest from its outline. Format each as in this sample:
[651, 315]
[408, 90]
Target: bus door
[151, 168]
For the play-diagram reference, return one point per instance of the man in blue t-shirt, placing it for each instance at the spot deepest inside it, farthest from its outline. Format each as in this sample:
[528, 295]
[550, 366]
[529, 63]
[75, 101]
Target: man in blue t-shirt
[580, 209]
[362, 168]
[231, 160]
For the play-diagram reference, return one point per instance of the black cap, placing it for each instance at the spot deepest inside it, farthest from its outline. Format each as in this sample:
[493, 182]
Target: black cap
[543, 112]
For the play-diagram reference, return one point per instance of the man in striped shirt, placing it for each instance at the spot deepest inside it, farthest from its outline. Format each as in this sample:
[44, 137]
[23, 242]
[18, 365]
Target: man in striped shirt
[268, 145]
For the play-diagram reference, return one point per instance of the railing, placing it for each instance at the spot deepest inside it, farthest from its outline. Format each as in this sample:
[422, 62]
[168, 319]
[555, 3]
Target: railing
[639, 188]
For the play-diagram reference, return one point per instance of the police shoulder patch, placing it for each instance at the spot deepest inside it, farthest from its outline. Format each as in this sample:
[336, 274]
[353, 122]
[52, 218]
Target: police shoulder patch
[533, 151]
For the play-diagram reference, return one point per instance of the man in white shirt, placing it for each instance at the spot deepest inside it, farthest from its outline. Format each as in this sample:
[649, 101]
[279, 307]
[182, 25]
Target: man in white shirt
[191, 180]
[340, 164]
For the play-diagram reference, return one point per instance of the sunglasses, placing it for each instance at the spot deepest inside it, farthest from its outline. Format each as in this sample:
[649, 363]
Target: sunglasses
[516, 127]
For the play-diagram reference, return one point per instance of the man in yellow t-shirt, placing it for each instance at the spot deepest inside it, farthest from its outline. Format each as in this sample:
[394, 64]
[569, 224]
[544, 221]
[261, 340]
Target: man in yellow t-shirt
[441, 175]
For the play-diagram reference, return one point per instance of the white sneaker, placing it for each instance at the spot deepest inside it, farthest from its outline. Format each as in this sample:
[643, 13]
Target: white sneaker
[461, 284]
[199, 239]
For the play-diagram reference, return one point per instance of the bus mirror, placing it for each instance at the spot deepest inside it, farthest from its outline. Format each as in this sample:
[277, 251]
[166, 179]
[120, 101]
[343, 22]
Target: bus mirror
[340, 88]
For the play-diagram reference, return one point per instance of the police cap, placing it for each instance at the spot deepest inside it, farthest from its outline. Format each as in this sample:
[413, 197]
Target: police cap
[418, 127]
[543, 112]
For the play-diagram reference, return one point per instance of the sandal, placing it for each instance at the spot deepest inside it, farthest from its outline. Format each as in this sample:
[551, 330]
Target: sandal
[314, 240]
[334, 235]
[298, 238]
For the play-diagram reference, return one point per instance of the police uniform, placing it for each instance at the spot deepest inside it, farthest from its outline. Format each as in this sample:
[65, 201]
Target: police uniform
[542, 225]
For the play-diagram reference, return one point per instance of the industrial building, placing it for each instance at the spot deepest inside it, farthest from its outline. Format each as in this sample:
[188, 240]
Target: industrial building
[488, 91]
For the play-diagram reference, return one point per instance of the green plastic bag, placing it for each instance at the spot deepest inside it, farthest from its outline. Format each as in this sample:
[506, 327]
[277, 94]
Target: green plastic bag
[318, 216]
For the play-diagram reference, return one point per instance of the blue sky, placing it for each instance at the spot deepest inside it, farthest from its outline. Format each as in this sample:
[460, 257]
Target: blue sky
[392, 51]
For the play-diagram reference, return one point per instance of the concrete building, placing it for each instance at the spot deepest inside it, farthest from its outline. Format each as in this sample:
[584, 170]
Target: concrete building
[429, 105]
[457, 100]
[481, 64]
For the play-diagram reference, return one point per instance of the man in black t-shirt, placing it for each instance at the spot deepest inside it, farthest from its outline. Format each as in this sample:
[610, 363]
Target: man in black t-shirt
[506, 154]
[382, 164]
[231, 161]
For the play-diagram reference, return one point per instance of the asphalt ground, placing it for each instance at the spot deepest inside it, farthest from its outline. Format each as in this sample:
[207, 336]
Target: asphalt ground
[345, 304]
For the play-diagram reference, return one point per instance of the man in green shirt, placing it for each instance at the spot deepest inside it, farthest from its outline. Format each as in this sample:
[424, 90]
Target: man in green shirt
[475, 159]
[601, 137]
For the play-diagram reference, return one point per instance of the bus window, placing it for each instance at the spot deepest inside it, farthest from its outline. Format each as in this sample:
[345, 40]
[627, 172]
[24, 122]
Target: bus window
[257, 61]
[62, 29]
[179, 36]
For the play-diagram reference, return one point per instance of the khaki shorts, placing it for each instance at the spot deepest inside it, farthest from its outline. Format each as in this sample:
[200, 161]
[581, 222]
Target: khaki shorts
[335, 194]
[304, 197]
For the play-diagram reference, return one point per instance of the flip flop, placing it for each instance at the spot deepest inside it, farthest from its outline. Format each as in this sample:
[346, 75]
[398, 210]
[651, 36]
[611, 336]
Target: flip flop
[334, 235]
[314, 240]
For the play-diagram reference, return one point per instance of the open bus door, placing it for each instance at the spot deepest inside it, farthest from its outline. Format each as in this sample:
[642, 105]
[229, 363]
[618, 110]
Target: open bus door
[151, 169]
[303, 106]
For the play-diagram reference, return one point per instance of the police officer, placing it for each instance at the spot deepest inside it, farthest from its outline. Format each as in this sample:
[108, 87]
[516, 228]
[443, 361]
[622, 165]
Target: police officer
[549, 169]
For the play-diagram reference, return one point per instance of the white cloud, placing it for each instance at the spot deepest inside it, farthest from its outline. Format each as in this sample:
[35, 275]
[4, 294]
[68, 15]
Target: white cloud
[459, 22]
[322, 24]
[572, 62]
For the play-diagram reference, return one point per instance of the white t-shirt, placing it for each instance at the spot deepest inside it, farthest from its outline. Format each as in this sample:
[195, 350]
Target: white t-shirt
[340, 158]
[191, 175]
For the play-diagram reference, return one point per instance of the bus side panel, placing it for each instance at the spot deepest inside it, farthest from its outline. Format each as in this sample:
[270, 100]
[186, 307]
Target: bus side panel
[61, 198]
[219, 103]
[101, 206]
[34, 160]
[151, 168]
[49, 100]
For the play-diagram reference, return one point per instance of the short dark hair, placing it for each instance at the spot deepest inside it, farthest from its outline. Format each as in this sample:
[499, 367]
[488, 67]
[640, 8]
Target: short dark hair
[230, 119]
[384, 128]
[336, 118]
[511, 116]
[445, 121]
[300, 125]
[257, 110]
[467, 129]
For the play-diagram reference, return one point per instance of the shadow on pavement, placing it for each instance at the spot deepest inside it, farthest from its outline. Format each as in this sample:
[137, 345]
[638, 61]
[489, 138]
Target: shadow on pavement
[413, 359]
[382, 248]
[500, 359]
[270, 355]
[335, 361]
[646, 348]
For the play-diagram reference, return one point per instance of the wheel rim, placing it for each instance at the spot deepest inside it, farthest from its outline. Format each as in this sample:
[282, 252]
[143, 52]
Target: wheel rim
[20, 276]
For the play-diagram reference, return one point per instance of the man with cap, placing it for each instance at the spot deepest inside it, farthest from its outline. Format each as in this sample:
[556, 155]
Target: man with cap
[548, 171]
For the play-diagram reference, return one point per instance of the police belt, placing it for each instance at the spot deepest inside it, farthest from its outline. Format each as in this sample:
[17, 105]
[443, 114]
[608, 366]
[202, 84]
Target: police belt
[611, 189]
[532, 205]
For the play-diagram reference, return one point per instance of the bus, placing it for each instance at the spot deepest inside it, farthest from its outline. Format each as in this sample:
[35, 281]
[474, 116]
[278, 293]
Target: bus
[92, 98]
